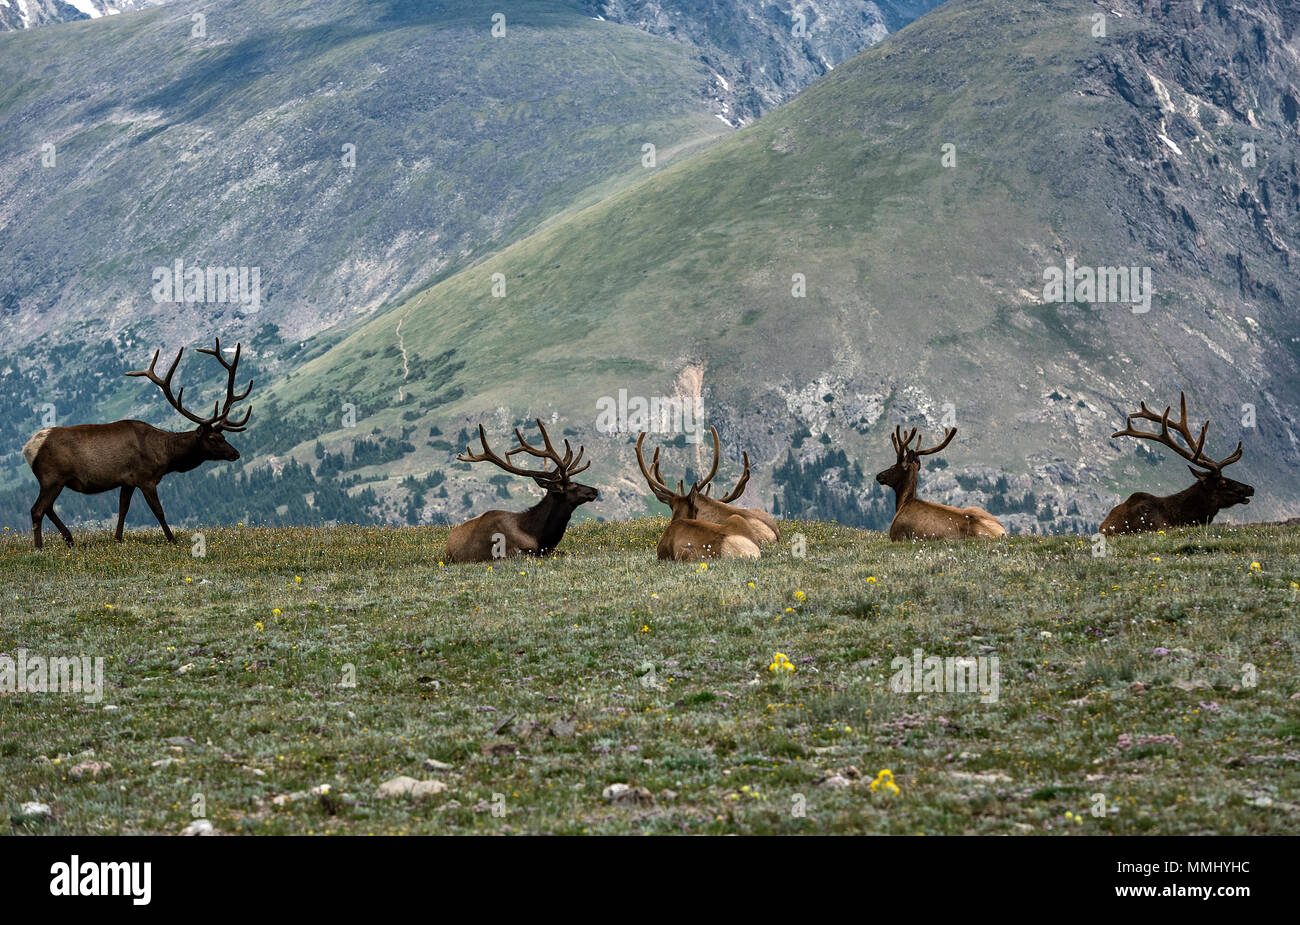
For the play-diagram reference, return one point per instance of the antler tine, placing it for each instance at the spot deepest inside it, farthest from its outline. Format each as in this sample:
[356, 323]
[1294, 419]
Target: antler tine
[571, 467]
[947, 439]
[1230, 458]
[740, 483]
[165, 384]
[654, 467]
[652, 476]
[717, 451]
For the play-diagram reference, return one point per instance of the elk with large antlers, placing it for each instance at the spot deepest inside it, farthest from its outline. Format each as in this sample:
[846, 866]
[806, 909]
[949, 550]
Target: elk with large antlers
[915, 519]
[536, 531]
[92, 458]
[1195, 505]
[688, 535]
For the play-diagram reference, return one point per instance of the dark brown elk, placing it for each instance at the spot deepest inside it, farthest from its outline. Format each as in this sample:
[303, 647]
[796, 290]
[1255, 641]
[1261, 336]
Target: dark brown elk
[719, 510]
[1195, 505]
[915, 519]
[92, 458]
[688, 537]
[536, 531]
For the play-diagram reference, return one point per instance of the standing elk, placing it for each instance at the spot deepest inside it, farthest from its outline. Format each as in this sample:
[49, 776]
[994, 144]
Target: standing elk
[93, 458]
[690, 537]
[1195, 505]
[915, 519]
[719, 510]
[536, 531]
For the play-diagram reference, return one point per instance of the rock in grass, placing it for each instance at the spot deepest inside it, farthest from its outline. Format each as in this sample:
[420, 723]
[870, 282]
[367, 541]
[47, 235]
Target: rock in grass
[563, 728]
[402, 785]
[433, 764]
[88, 769]
[981, 777]
[34, 809]
[627, 795]
[199, 827]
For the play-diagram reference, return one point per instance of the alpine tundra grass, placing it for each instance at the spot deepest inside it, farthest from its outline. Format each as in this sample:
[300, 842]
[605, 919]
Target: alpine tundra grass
[273, 685]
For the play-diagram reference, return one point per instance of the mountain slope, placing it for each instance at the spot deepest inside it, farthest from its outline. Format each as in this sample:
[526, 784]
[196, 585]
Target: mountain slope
[925, 283]
[231, 149]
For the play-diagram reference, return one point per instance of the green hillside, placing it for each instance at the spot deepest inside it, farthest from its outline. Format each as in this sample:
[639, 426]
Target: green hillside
[227, 150]
[923, 282]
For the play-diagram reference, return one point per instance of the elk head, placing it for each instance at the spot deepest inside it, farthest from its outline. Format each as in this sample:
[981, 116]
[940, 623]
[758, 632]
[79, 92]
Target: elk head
[558, 482]
[902, 475]
[685, 504]
[211, 441]
[1218, 490]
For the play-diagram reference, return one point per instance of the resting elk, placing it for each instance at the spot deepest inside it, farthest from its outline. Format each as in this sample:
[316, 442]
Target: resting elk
[536, 531]
[915, 519]
[1195, 505]
[92, 458]
[690, 537]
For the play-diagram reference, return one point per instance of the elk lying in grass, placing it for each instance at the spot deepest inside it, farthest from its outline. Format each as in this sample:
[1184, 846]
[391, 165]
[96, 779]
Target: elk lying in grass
[536, 531]
[689, 537]
[719, 510]
[915, 519]
[92, 458]
[1195, 505]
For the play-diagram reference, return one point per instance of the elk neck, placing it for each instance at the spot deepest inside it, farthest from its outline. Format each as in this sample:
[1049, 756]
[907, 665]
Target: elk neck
[181, 451]
[1194, 504]
[906, 490]
[547, 519]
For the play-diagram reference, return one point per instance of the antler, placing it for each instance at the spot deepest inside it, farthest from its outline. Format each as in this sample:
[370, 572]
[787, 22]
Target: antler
[717, 453]
[652, 475]
[218, 421]
[1192, 452]
[564, 466]
[900, 442]
[947, 439]
[903, 442]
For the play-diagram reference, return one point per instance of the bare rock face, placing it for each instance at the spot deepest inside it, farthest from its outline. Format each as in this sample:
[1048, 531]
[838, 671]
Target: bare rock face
[32, 13]
[762, 54]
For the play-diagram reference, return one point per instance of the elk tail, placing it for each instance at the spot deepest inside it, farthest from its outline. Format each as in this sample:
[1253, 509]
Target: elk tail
[33, 446]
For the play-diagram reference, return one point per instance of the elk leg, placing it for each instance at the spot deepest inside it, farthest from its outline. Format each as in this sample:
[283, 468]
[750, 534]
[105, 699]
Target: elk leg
[45, 505]
[54, 518]
[123, 505]
[151, 496]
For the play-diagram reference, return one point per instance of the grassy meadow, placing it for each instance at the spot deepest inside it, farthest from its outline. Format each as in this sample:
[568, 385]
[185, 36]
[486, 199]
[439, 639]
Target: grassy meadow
[279, 680]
